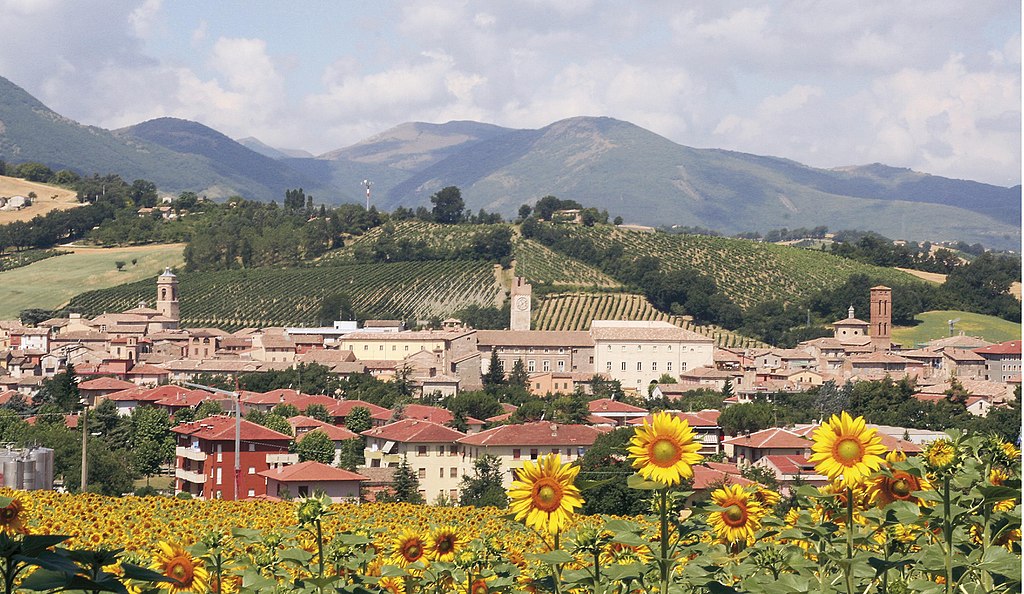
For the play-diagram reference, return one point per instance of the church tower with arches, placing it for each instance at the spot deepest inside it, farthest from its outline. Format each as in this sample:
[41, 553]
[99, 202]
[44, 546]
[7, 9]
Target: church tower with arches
[167, 295]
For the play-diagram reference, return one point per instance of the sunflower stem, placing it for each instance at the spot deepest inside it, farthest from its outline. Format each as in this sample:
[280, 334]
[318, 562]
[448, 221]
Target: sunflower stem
[848, 568]
[664, 540]
[947, 529]
[558, 567]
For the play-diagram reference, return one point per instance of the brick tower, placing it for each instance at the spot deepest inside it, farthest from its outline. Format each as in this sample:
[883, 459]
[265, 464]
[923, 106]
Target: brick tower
[881, 318]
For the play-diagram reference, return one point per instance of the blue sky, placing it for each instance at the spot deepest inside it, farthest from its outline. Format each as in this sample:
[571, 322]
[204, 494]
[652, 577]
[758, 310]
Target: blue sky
[931, 85]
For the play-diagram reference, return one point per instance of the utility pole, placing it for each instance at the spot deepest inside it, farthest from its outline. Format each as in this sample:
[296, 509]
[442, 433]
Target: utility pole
[367, 183]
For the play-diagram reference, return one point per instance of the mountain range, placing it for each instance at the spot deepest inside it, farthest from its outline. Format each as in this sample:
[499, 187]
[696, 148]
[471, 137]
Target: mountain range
[598, 161]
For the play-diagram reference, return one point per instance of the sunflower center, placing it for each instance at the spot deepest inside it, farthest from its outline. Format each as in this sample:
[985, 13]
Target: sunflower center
[445, 544]
[901, 487]
[8, 513]
[664, 453]
[547, 494]
[412, 551]
[180, 569]
[480, 587]
[734, 515]
[848, 451]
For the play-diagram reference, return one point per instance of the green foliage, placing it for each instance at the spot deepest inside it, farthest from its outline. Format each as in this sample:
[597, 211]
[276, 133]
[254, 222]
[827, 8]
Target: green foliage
[359, 419]
[335, 306]
[315, 446]
[285, 410]
[61, 390]
[351, 456]
[476, 404]
[405, 487]
[150, 440]
[318, 412]
[484, 488]
[605, 465]
[747, 418]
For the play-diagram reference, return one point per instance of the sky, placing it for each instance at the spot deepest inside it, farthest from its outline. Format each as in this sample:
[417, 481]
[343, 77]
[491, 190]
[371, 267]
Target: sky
[931, 85]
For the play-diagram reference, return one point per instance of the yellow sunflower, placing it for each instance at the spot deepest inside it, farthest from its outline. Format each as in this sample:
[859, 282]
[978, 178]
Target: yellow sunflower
[188, 573]
[12, 518]
[845, 447]
[1010, 450]
[408, 548]
[741, 516]
[664, 450]
[766, 497]
[884, 489]
[391, 585]
[940, 454]
[479, 585]
[443, 543]
[543, 494]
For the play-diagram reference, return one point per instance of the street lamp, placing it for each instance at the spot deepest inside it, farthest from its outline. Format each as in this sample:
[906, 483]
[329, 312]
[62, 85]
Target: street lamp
[238, 425]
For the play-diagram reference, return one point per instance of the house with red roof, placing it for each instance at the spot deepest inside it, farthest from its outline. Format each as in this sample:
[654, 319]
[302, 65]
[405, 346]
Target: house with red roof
[182, 400]
[205, 457]
[434, 414]
[514, 444]
[619, 413]
[790, 469]
[98, 388]
[343, 408]
[127, 400]
[1002, 361]
[431, 450]
[309, 478]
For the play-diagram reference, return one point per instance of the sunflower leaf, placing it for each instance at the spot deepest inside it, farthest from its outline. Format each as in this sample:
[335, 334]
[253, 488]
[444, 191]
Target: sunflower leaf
[144, 574]
[640, 483]
[555, 557]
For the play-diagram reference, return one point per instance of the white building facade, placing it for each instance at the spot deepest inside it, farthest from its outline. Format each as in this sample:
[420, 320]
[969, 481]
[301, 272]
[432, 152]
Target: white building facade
[637, 353]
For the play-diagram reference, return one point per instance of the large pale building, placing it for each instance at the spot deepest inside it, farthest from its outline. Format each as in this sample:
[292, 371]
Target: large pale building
[430, 449]
[637, 353]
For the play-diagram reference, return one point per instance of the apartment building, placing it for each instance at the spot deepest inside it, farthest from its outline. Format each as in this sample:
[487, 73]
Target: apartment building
[638, 353]
[430, 449]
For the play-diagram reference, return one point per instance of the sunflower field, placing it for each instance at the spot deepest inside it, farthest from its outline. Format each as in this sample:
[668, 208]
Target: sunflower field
[946, 521]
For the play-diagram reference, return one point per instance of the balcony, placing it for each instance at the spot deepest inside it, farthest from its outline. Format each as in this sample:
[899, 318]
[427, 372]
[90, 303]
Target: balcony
[190, 476]
[282, 459]
[190, 454]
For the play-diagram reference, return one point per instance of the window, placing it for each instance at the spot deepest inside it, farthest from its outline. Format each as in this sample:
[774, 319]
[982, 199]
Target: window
[668, 366]
[623, 365]
[654, 366]
[608, 366]
[422, 473]
[440, 473]
[394, 347]
[639, 347]
[366, 347]
[440, 450]
[682, 366]
[453, 472]
[546, 365]
[375, 463]
[303, 490]
[516, 453]
[219, 475]
[639, 366]
[533, 453]
[220, 452]
[421, 450]
[453, 494]
[252, 470]
[561, 365]
[406, 347]
[531, 366]
[382, 347]
[423, 494]
[554, 451]
[561, 350]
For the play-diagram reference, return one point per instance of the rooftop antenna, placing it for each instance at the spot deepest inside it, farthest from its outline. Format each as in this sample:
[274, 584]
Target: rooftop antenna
[366, 184]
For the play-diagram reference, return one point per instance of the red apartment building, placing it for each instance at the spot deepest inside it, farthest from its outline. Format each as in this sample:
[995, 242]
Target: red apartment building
[205, 458]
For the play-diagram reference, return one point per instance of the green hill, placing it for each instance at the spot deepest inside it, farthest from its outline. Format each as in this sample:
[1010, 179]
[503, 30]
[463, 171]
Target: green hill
[935, 324]
[282, 297]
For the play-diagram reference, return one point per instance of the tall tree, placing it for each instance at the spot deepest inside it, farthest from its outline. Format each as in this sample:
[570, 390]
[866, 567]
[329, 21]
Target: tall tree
[316, 446]
[448, 205]
[495, 375]
[150, 439]
[484, 488]
[519, 377]
[405, 486]
[358, 420]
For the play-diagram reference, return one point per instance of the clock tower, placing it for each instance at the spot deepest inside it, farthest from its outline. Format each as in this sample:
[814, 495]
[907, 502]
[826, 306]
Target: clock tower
[522, 294]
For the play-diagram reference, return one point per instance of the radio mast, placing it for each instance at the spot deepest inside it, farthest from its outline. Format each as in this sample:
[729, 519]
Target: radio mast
[367, 183]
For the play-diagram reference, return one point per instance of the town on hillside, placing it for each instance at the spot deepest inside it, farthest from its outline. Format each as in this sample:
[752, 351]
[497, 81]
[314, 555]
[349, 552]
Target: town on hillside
[222, 444]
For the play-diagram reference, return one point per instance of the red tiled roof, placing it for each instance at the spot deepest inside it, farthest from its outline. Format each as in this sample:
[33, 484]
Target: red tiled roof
[105, 383]
[1010, 347]
[148, 370]
[923, 397]
[415, 431]
[704, 477]
[791, 464]
[310, 471]
[774, 437]
[607, 405]
[222, 428]
[186, 399]
[6, 396]
[144, 394]
[703, 418]
[333, 431]
[344, 407]
[425, 413]
[540, 433]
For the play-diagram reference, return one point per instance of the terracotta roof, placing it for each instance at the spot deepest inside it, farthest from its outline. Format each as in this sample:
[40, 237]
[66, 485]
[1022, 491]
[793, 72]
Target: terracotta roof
[534, 338]
[409, 335]
[681, 388]
[713, 473]
[310, 471]
[333, 431]
[148, 370]
[709, 373]
[963, 355]
[187, 399]
[791, 464]
[540, 433]
[607, 405]
[850, 322]
[344, 407]
[5, 396]
[425, 413]
[650, 330]
[382, 324]
[222, 428]
[923, 397]
[1010, 347]
[880, 357]
[145, 394]
[105, 383]
[961, 341]
[415, 431]
[703, 418]
[775, 437]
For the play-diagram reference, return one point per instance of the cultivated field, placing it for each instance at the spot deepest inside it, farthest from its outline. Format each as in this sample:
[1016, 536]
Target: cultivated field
[937, 278]
[265, 297]
[934, 324]
[51, 283]
[47, 198]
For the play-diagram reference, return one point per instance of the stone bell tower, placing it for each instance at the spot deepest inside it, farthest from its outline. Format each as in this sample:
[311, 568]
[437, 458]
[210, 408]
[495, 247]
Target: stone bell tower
[881, 318]
[522, 294]
[167, 295]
